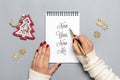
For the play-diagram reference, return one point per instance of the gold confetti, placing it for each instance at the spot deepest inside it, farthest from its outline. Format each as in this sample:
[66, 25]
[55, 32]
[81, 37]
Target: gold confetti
[105, 27]
[15, 56]
[97, 34]
[22, 51]
[99, 22]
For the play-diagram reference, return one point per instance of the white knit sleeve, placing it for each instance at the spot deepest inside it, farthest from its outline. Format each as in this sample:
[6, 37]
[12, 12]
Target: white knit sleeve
[33, 75]
[97, 68]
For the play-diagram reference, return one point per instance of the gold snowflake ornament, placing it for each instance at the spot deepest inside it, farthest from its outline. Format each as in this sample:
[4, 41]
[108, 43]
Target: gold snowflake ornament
[22, 51]
[15, 56]
[99, 22]
[97, 34]
[105, 27]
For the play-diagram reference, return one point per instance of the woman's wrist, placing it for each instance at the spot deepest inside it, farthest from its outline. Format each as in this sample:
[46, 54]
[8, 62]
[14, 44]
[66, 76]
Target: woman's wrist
[97, 68]
[33, 75]
[92, 59]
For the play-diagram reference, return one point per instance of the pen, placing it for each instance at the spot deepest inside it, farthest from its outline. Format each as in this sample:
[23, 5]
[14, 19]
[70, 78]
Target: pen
[79, 45]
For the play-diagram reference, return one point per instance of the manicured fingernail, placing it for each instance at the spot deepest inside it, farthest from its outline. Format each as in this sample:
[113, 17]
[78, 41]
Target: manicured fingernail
[73, 40]
[59, 65]
[47, 45]
[74, 35]
[44, 42]
[41, 44]
[36, 50]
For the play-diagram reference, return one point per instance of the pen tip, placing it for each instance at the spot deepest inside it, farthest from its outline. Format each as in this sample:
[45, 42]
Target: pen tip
[69, 29]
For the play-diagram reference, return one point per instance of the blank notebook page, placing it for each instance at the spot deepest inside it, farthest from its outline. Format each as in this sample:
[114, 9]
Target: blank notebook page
[58, 36]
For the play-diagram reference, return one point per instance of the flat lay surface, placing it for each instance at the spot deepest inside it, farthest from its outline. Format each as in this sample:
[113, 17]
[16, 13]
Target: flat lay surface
[16, 54]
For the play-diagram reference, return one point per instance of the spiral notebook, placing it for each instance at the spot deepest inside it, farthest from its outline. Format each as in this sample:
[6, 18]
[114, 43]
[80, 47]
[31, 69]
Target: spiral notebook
[58, 35]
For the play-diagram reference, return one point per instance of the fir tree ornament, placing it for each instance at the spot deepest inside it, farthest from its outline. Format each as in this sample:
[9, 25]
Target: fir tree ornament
[25, 28]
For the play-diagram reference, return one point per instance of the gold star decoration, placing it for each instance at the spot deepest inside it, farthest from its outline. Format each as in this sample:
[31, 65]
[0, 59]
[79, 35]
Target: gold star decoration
[105, 27]
[99, 22]
[22, 51]
[97, 34]
[15, 56]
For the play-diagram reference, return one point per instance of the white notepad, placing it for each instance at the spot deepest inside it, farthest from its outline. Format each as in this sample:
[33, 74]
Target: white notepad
[58, 35]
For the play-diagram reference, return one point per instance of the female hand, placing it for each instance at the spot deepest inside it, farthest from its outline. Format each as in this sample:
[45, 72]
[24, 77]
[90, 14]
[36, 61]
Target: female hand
[86, 44]
[41, 60]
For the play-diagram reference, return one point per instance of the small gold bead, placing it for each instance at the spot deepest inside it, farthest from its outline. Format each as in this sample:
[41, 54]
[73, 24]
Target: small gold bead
[97, 34]
[22, 51]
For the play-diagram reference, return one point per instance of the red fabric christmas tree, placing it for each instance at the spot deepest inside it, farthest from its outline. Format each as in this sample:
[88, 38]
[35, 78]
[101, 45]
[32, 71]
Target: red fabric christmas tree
[25, 28]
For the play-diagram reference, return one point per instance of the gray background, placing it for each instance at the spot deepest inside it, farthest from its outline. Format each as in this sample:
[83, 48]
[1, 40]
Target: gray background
[107, 46]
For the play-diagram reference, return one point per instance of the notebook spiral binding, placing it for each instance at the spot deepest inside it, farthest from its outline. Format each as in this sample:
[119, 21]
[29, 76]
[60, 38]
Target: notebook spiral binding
[62, 13]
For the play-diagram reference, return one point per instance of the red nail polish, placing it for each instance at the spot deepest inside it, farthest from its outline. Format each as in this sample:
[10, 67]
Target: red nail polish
[44, 42]
[74, 35]
[73, 40]
[59, 65]
[47, 46]
[41, 44]
[36, 50]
